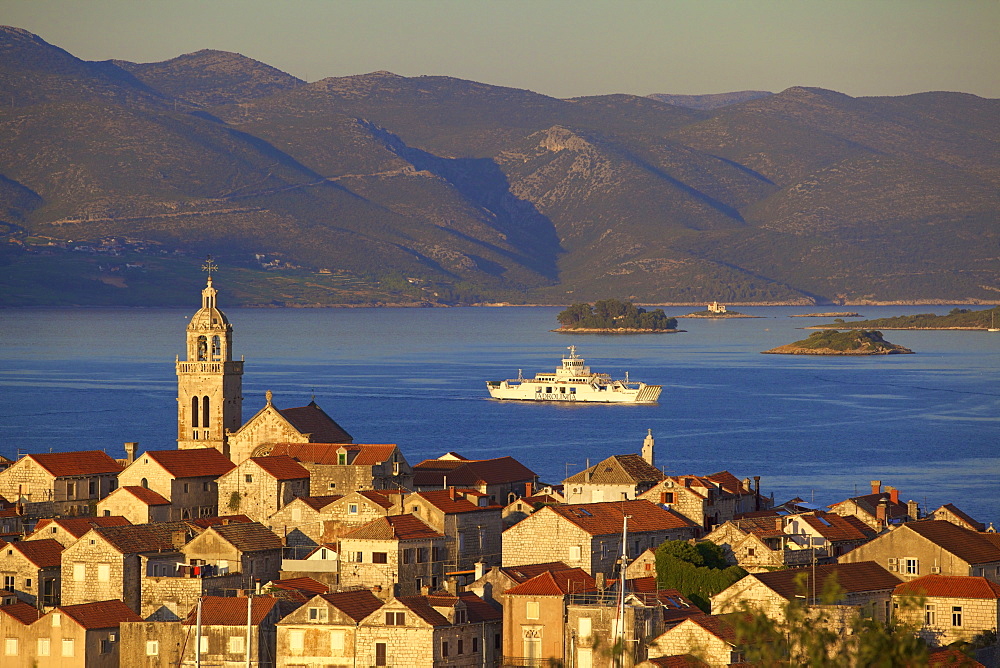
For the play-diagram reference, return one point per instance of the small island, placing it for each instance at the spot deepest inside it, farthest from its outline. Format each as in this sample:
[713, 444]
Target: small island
[611, 316]
[717, 310]
[957, 318]
[845, 314]
[853, 342]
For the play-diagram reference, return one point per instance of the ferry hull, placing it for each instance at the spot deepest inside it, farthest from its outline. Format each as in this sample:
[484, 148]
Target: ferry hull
[528, 391]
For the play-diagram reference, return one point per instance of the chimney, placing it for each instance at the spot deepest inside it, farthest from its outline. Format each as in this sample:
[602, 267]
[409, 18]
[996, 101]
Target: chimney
[779, 524]
[893, 494]
[451, 586]
[178, 539]
[452, 494]
[130, 448]
[599, 579]
[756, 492]
[913, 510]
[425, 590]
[880, 512]
[876, 486]
[480, 569]
[529, 488]
[647, 448]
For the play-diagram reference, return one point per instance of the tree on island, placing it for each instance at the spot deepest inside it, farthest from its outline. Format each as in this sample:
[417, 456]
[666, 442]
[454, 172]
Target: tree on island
[614, 314]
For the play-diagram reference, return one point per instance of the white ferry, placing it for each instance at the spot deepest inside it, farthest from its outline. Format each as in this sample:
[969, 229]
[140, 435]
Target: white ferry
[574, 382]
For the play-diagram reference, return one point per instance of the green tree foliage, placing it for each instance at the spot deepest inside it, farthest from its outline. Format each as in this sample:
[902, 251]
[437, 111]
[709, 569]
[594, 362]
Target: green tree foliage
[614, 314]
[957, 317]
[827, 635]
[695, 571]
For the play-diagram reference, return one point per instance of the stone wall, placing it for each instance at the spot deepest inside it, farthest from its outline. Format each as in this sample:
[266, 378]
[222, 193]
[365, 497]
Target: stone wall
[96, 572]
[934, 617]
[172, 598]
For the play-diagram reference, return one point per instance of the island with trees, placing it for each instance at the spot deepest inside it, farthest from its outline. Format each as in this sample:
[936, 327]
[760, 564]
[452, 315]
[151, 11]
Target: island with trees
[852, 342]
[957, 318]
[611, 316]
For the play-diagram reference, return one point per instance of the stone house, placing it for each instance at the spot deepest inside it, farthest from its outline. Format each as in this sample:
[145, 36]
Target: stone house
[12, 522]
[709, 635]
[323, 631]
[589, 535]
[932, 547]
[949, 513]
[271, 425]
[260, 486]
[398, 553]
[68, 530]
[472, 525]
[138, 504]
[534, 619]
[31, 570]
[493, 582]
[187, 477]
[952, 607]
[518, 509]
[110, 563]
[708, 501]
[15, 633]
[250, 549]
[355, 509]
[880, 508]
[69, 636]
[339, 468]
[617, 477]
[60, 483]
[643, 566]
[864, 586]
[502, 479]
[301, 521]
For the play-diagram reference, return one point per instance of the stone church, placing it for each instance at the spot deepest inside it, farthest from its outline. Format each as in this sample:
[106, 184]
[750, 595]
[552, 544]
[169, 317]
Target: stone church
[210, 395]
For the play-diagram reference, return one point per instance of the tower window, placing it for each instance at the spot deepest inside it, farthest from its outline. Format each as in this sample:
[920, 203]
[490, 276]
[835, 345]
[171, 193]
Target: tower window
[202, 348]
[204, 412]
[216, 347]
[194, 411]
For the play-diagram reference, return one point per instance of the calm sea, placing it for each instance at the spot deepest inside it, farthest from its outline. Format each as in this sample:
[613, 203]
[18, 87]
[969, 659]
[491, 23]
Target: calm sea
[815, 427]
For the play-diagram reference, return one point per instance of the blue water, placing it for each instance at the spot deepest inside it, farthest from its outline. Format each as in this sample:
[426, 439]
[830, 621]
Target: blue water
[816, 427]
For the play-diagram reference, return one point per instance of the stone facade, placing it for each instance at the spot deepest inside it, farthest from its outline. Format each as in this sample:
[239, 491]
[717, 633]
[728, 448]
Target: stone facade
[707, 500]
[53, 484]
[474, 532]
[401, 559]
[256, 492]
[948, 609]
[123, 502]
[643, 566]
[152, 644]
[167, 598]
[716, 645]
[32, 569]
[301, 523]
[534, 629]
[617, 477]
[187, 479]
[220, 546]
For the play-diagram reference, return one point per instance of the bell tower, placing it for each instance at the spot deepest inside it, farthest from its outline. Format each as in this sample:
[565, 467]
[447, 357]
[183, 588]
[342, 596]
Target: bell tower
[209, 381]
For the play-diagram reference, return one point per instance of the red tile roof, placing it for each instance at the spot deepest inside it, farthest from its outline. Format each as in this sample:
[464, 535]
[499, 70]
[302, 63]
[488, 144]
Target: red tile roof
[77, 526]
[378, 497]
[146, 496]
[281, 467]
[969, 546]
[100, 615]
[950, 656]
[22, 612]
[136, 539]
[205, 522]
[863, 576]
[317, 503]
[677, 661]
[835, 527]
[303, 584]
[555, 583]
[394, 527]
[729, 482]
[356, 604]
[371, 454]
[479, 610]
[441, 499]
[231, 610]
[190, 463]
[950, 586]
[599, 519]
[501, 470]
[421, 607]
[717, 626]
[87, 462]
[628, 469]
[44, 553]
[973, 524]
[249, 537]
[525, 572]
[320, 427]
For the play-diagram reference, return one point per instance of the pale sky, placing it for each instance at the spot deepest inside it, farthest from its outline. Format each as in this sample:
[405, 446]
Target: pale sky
[562, 48]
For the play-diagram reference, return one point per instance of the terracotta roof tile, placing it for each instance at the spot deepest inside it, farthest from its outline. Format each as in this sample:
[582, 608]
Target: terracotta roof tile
[281, 467]
[729, 482]
[950, 586]
[318, 503]
[870, 503]
[313, 421]
[44, 553]
[205, 522]
[606, 518]
[479, 610]
[951, 656]
[469, 473]
[77, 526]
[834, 527]
[441, 499]
[143, 495]
[717, 626]
[394, 527]
[231, 610]
[249, 537]
[862, 576]
[100, 615]
[22, 612]
[304, 584]
[976, 526]
[555, 583]
[421, 607]
[677, 661]
[377, 497]
[969, 546]
[190, 463]
[371, 454]
[525, 572]
[136, 539]
[356, 604]
[86, 462]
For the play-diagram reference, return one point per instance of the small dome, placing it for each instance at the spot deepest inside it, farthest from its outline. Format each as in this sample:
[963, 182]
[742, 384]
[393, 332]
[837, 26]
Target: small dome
[209, 318]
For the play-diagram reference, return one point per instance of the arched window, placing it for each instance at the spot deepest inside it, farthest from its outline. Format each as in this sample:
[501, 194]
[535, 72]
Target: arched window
[144, 483]
[204, 412]
[194, 411]
[216, 348]
[202, 348]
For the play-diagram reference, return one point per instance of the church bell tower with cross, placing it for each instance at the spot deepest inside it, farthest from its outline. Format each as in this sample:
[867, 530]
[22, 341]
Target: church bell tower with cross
[209, 381]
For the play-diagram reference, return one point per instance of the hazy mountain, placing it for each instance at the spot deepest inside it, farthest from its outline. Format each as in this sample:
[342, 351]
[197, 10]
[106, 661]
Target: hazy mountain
[711, 101]
[437, 188]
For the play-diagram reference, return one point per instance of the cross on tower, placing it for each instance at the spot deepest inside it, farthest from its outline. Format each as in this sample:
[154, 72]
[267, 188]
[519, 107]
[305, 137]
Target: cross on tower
[209, 266]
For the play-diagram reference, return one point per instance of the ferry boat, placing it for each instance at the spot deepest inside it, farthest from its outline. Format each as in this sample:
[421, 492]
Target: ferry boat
[575, 382]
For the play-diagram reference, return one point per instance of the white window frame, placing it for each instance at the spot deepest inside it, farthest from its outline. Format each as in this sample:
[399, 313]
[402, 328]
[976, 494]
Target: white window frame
[237, 645]
[531, 610]
[911, 566]
[10, 647]
[79, 571]
[296, 640]
[337, 640]
[44, 646]
[104, 572]
[69, 647]
[152, 648]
